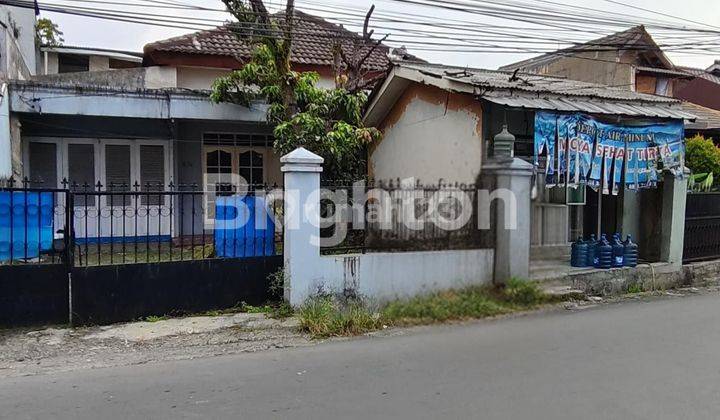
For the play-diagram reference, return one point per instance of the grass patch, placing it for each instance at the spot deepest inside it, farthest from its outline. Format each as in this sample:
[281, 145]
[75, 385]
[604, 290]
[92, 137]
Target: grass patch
[154, 318]
[325, 316]
[635, 288]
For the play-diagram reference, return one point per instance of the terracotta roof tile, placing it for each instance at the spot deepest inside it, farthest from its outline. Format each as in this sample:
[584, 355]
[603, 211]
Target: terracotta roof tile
[313, 43]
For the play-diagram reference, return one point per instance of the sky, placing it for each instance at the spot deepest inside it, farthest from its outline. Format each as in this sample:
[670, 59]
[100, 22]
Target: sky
[93, 32]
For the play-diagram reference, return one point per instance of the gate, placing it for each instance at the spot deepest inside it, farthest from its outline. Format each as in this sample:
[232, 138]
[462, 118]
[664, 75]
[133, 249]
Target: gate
[34, 258]
[702, 227]
[124, 253]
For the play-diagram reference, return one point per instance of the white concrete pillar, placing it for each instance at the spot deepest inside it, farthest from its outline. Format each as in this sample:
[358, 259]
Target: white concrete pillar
[301, 169]
[674, 195]
[512, 238]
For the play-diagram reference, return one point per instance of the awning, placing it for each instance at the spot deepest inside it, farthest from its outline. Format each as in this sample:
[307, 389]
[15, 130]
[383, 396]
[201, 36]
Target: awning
[634, 109]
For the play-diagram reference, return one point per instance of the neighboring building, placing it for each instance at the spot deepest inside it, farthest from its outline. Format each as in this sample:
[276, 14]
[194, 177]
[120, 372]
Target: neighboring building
[156, 123]
[17, 62]
[17, 42]
[201, 57]
[437, 121]
[704, 88]
[66, 59]
[628, 60]
[632, 60]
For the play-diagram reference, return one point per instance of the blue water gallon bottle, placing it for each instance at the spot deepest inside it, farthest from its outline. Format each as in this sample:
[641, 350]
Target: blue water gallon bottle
[578, 253]
[631, 254]
[618, 251]
[603, 253]
[591, 245]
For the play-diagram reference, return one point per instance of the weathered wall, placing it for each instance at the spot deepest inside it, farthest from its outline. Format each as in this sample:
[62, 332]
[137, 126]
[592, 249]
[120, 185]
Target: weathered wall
[430, 134]
[130, 79]
[98, 63]
[19, 23]
[387, 276]
[593, 67]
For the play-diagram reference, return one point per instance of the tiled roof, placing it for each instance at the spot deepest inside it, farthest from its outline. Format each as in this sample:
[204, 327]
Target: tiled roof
[312, 43]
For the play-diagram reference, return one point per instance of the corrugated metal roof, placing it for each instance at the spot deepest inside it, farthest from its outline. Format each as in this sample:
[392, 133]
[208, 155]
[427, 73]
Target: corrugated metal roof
[707, 118]
[573, 105]
[496, 79]
[657, 70]
[702, 73]
[552, 93]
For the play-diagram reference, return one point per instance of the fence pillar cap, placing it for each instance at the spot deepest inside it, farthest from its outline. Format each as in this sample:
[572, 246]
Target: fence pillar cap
[301, 160]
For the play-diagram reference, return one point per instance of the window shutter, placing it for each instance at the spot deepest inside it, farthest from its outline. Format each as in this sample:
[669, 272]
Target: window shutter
[152, 170]
[43, 165]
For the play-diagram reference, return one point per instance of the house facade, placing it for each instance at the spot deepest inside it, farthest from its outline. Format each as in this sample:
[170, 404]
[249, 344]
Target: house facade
[438, 122]
[154, 125]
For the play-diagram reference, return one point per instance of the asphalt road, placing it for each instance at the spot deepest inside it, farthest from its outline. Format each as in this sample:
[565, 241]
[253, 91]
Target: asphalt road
[642, 360]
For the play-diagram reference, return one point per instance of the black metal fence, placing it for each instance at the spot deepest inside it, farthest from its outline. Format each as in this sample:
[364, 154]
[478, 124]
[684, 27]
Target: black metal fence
[702, 227]
[94, 225]
[393, 216]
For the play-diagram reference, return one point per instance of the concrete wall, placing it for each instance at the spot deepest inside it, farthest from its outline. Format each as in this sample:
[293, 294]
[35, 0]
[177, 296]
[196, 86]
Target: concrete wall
[198, 77]
[430, 134]
[203, 77]
[388, 276]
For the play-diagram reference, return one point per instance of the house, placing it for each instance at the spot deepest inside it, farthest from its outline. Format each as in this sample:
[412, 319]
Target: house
[629, 59]
[704, 88]
[155, 124]
[69, 59]
[632, 60]
[438, 120]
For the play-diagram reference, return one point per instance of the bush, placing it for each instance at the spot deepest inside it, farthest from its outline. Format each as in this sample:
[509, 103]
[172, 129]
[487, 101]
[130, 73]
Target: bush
[702, 156]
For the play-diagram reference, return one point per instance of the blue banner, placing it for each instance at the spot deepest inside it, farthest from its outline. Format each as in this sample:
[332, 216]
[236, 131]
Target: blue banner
[583, 150]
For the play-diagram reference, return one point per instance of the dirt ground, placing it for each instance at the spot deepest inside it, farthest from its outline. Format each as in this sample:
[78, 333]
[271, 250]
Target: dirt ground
[55, 349]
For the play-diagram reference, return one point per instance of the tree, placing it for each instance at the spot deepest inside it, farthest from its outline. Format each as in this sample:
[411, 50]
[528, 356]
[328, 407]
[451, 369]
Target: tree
[702, 156]
[48, 33]
[326, 121]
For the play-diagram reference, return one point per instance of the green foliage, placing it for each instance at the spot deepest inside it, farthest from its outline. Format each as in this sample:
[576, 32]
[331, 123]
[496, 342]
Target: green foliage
[327, 122]
[323, 316]
[473, 302]
[48, 33]
[702, 156]
[524, 293]
[635, 288]
[701, 182]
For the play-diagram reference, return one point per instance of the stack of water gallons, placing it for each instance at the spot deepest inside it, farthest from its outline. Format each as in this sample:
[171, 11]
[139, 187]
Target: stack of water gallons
[603, 253]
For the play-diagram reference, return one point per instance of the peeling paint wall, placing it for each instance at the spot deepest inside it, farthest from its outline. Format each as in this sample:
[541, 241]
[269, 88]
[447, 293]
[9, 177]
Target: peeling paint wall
[430, 134]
